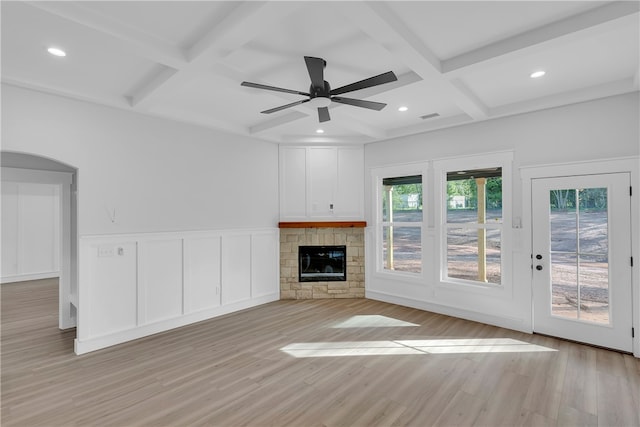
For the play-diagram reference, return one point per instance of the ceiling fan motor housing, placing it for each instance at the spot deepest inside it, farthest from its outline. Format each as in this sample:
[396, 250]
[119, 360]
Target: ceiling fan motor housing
[320, 91]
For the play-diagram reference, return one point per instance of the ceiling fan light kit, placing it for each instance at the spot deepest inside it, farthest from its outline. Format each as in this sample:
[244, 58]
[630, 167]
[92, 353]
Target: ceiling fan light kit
[321, 95]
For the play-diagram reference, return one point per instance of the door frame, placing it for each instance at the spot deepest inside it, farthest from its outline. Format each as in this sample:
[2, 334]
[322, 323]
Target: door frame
[24, 167]
[629, 165]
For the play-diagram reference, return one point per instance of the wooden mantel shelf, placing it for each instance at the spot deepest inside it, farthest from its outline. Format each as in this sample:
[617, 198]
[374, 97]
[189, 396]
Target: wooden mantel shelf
[323, 224]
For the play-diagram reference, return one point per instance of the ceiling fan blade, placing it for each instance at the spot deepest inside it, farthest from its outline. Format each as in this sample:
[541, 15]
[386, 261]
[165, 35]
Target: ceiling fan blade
[277, 89]
[387, 77]
[323, 114]
[282, 107]
[359, 103]
[315, 66]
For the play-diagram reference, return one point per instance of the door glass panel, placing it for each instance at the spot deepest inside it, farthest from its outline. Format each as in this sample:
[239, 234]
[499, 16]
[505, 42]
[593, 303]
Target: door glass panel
[564, 285]
[594, 288]
[579, 254]
[563, 221]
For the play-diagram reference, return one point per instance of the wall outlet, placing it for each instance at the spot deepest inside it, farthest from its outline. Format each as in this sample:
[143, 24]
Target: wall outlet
[106, 251]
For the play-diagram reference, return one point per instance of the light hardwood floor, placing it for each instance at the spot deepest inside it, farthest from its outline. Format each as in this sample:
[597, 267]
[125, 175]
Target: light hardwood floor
[234, 371]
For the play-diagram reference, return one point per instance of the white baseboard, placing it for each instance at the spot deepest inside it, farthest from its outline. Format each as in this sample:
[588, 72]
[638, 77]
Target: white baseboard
[97, 343]
[500, 321]
[32, 276]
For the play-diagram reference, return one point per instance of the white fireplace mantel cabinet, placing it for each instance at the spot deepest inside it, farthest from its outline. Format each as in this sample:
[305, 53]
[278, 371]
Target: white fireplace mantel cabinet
[321, 183]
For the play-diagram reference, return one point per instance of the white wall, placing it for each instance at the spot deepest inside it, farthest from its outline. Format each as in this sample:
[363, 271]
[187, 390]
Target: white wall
[602, 129]
[30, 231]
[156, 174]
[140, 177]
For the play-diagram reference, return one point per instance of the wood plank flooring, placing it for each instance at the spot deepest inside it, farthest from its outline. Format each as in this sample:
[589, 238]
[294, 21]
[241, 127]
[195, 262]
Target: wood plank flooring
[289, 363]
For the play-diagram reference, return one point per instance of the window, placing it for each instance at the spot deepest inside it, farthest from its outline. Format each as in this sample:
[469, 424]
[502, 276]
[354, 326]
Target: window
[474, 224]
[401, 225]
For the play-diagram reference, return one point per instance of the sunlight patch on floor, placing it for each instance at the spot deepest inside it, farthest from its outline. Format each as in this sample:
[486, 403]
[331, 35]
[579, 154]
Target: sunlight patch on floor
[372, 321]
[412, 347]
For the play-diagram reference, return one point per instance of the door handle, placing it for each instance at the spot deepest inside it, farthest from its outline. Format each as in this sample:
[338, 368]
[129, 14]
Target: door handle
[538, 256]
[538, 267]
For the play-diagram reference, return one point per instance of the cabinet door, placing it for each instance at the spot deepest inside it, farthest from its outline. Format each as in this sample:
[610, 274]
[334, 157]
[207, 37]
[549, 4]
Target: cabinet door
[293, 178]
[322, 177]
[349, 200]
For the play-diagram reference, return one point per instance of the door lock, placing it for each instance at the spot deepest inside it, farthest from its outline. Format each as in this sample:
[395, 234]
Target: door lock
[538, 256]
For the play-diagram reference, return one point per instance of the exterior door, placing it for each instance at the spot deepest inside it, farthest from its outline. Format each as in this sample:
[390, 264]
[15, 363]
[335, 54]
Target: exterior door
[581, 261]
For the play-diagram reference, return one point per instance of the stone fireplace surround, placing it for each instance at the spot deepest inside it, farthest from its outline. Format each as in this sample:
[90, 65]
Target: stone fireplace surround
[295, 234]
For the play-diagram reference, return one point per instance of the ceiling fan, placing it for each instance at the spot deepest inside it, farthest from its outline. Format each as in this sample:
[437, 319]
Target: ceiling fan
[320, 93]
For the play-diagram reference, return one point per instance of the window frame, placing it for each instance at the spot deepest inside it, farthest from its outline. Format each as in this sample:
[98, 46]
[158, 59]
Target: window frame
[378, 175]
[503, 160]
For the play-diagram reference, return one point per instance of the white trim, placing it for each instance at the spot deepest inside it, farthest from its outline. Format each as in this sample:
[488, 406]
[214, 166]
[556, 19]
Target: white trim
[503, 159]
[35, 176]
[30, 276]
[377, 175]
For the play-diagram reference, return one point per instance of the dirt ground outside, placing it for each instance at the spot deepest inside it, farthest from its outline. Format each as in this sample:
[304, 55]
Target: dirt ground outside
[580, 284]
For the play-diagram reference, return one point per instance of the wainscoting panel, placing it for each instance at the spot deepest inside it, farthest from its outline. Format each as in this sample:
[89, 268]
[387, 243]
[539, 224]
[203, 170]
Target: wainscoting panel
[160, 274]
[136, 285]
[264, 271]
[202, 273]
[236, 268]
[112, 297]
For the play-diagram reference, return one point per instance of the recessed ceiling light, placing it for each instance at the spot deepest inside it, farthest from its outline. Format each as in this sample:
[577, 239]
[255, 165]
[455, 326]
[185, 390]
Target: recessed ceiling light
[403, 108]
[537, 74]
[319, 131]
[56, 51]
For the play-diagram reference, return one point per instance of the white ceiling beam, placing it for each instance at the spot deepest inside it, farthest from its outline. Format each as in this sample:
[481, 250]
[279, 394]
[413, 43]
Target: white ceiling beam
[128, 38]
[149, 85]
[596, 20]
[242, 24]
[111, 101]
[378, 21]
[430, 125]
[618, 87]
[280, 120]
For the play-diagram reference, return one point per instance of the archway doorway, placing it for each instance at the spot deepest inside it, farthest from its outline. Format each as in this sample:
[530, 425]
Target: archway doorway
[29, 168]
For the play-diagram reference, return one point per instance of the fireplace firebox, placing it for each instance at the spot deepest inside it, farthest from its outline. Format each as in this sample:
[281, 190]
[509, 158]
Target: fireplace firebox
[322, 263]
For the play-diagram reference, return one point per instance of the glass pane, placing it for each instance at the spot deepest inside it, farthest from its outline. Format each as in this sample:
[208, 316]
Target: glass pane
[406, 249]
[464, 254]
[463, 190]
[563, 221]
[579, 254]
[564, 285]
[594, 288]
[592, 221]
[402, 202]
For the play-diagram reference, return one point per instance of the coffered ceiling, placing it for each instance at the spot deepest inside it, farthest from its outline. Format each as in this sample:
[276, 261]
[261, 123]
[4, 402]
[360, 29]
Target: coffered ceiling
[457, 62]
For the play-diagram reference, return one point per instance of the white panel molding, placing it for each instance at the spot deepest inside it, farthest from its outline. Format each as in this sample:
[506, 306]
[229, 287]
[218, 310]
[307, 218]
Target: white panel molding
[194, 260]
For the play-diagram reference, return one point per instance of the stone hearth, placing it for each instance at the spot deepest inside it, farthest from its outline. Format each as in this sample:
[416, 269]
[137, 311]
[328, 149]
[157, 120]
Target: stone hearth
[306, 235]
